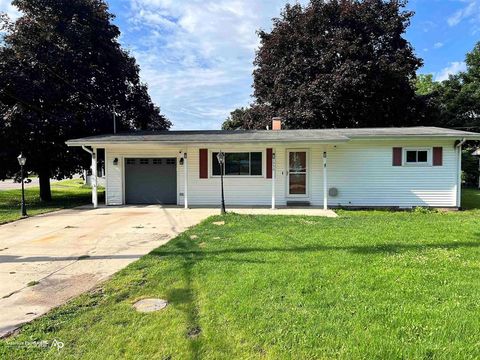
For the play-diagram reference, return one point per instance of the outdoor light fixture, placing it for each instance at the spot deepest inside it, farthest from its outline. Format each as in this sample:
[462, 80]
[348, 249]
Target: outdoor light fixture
[22, 161]
[115, 161]
[181, 161]
[221, 161]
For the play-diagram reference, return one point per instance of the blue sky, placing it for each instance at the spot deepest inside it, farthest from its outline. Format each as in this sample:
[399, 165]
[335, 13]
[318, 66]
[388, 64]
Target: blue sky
[196, 55]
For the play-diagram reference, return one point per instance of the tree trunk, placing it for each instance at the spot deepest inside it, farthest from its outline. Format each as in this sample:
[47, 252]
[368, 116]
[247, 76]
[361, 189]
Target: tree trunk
[44, 180]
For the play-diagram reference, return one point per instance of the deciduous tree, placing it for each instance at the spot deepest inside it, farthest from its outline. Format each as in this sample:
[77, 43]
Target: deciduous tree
[338, 63]
[61, 71]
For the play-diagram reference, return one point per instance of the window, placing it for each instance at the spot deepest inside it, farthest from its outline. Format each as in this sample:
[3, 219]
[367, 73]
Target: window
[157, 161]
[239, 164]
[171, 161]
[144, 161]
[416, 157]
[130, 161]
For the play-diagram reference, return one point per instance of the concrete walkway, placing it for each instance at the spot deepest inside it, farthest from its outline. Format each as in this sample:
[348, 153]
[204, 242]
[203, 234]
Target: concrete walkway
[309, 211]
[47, 259]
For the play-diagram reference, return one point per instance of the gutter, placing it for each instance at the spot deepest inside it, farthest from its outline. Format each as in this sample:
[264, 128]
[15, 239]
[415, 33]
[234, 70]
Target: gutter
[200, 143]
[86, 149]
[463, 141]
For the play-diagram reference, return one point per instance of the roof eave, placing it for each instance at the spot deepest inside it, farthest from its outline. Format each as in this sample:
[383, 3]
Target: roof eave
[423, 137]
[161, 142]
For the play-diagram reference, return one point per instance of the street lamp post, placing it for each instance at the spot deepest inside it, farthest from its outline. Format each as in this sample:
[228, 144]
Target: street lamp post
[22, 160]
[221, 161]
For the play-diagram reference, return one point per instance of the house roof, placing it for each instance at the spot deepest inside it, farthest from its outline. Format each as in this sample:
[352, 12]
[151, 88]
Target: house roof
[245, 136]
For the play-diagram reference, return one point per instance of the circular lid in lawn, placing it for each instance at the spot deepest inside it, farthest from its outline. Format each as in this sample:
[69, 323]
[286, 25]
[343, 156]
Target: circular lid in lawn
[150, 305]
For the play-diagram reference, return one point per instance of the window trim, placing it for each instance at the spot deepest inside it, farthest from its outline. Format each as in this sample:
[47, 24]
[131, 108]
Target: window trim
[416, 164]
[210, 165]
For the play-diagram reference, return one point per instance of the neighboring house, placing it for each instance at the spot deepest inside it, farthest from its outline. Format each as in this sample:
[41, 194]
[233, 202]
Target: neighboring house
[385, 167]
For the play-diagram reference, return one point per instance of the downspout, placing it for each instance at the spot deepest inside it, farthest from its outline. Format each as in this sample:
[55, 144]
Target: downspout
[93, 153]
[458, 147]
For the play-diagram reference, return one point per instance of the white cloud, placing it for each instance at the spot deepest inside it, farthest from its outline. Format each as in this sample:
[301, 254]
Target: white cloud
[438, 45]
[196, 56]
[471, 12]
[7, 7]
[452, 69]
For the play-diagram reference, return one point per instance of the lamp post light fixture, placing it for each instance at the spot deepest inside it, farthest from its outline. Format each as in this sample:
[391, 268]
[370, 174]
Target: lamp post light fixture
[221, 162]
[21, 161]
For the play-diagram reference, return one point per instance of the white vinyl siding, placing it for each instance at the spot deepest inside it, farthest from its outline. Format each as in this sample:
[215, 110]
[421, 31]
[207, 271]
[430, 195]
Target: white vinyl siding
[363, 173]
[361, 170]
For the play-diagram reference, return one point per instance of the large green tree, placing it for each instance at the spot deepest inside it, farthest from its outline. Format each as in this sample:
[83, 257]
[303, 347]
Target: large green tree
[455, 103]
[337, 63]
[61, 71]
[460, 95]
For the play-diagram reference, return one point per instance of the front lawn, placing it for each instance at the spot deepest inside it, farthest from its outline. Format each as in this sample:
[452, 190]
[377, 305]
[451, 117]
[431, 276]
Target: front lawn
[364, 285]
[470, 198]
[65, 194]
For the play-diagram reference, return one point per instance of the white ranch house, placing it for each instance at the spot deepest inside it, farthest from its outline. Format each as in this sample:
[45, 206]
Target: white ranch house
[377, 167]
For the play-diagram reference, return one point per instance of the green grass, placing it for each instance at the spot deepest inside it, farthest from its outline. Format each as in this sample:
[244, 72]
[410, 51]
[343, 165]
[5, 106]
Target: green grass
[65, 194]
[470, 198]
[370, 285]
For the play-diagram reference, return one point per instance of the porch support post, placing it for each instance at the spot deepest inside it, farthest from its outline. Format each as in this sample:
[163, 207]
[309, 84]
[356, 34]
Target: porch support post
[458, 147]
[185, 172]
[479, 172]
[273, 180]
[94, 179]
[325, 183]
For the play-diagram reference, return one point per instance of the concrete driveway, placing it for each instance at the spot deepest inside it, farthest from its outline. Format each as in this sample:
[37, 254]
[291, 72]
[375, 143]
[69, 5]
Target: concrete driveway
[48, 259]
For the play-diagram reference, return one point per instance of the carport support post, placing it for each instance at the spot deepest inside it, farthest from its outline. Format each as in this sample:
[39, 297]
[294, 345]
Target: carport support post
[325, 190]
[185, 172]
[273, 181]
[94, 178]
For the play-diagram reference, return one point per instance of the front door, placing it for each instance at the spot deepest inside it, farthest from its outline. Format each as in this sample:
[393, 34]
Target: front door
[297, 173]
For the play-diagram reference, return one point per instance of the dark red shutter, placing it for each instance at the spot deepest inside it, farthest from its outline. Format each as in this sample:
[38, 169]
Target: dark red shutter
[437, 156]
[269, 163]
[397, 156]
[203, 163]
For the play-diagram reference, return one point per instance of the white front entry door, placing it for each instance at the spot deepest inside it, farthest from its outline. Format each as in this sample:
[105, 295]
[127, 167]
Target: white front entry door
[297, 173]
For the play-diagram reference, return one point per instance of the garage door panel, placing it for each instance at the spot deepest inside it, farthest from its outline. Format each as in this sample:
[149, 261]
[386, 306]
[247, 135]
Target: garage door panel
[150, 181]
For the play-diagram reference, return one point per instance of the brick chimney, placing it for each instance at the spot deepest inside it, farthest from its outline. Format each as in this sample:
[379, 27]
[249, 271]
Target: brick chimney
[277, 123]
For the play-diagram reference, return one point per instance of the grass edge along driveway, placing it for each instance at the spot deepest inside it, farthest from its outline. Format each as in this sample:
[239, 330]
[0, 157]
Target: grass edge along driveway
[65, 194]
[364, 285]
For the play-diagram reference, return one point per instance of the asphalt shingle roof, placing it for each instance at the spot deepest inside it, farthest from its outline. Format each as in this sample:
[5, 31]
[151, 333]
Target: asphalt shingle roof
[240, 136]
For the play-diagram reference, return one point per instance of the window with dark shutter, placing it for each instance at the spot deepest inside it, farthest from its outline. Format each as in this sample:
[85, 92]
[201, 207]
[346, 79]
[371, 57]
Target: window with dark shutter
[269, 163]
[397, 156]
[203, 165]
[437, 156]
